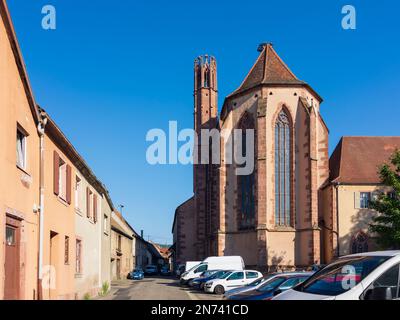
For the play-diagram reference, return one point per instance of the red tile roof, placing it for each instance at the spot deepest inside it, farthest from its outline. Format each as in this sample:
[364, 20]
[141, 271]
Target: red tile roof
[356, 160]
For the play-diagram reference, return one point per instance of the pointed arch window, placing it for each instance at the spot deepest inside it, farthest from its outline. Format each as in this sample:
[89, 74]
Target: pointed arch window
[283, 155]
[246, 184]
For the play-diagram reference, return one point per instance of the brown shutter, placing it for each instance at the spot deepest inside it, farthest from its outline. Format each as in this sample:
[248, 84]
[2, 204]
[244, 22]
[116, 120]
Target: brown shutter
[87, 202]
[56, 173]
[68, 184]
[95, 208]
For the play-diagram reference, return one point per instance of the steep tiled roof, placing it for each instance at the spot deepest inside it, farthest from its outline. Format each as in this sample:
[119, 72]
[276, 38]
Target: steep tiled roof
[268, 69]
[356, 159]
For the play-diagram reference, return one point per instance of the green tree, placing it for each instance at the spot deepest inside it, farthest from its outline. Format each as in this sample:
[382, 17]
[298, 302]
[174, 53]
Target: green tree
[386, 225]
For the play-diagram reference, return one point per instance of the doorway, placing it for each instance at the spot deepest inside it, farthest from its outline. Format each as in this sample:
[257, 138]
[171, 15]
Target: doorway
[119, 269]
[12, 259]
[53, 268]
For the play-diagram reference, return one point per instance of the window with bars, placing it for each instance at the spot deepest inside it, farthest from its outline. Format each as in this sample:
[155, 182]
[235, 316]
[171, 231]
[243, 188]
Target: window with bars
[78, 267]
[66, 251]
[282, 171]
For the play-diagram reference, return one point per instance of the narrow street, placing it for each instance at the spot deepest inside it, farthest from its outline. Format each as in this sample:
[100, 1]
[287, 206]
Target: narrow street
[155, 288]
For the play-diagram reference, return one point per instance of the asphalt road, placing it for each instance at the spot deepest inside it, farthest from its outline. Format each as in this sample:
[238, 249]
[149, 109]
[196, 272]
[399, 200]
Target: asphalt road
[155, 288]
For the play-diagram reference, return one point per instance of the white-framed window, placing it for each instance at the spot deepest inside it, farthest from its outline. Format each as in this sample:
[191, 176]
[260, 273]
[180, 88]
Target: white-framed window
[365, 198]
[21, 148]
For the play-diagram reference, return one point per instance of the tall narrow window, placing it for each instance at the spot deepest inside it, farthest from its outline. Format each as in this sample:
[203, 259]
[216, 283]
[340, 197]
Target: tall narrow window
[246, 184]
[21, 149]
[66, 250]
[282, 171]
[78, 267]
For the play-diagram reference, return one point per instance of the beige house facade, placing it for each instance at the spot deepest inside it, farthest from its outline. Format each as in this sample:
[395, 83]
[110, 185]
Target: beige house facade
[19, 171]
[122, 239]
[354, 181]
[55, 215]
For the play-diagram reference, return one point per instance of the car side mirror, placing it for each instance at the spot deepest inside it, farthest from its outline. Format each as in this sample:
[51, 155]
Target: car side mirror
[278, 291]
[380, 293]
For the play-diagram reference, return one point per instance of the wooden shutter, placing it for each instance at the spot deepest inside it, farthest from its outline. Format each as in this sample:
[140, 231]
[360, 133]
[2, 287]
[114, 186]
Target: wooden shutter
[95, 208]
[68, 191]
[56, 173]
[357, 200]
[87, 202]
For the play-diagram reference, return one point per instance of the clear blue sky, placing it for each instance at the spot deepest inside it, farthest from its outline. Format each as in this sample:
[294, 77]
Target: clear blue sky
[115, 69]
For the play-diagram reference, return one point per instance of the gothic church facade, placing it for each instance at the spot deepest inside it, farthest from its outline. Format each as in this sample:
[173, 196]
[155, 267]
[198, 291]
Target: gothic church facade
[272, 217]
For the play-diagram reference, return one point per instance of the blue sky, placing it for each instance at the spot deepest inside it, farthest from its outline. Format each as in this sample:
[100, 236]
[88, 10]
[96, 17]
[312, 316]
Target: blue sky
[112, 70]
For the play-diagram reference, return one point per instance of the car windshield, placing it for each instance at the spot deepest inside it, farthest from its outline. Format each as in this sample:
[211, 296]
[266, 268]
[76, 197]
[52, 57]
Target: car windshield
[341, 276]
[256, 282]
[225, 275]
[271, 284]
[218, 274]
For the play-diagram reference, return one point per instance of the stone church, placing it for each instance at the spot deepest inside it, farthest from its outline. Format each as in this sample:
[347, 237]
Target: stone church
[284, 213]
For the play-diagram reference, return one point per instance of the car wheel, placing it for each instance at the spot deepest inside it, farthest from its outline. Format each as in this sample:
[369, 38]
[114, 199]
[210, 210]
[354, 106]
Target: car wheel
[202, 286]
[219, 290]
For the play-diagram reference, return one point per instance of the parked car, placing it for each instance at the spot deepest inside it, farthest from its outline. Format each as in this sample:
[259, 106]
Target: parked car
[165, 271]
[363, 276]
[274, 286]
[231, 280]
[137, 274]
[251, 286]
[221, 263]
[179, 270]
[201, 281]
[151, 270]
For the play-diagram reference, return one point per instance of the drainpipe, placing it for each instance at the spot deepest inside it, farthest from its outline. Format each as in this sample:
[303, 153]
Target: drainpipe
[41, 128]
[337, 185]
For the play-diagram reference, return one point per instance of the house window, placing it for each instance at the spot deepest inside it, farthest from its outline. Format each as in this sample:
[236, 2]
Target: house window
[10, 236]
[365, 197]
[89, 203]
[78, 267]
[66, 252]
[78, 191]
[105, 224]
[282, 171]
[21, 148]
[119, 243]
[359, 243]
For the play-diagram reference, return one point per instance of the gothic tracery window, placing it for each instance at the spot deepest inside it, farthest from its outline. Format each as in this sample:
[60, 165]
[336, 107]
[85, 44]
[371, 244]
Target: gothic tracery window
[246, 184]
[283, 154]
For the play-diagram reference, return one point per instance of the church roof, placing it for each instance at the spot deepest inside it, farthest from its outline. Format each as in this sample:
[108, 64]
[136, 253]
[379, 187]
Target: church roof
[356, 160]
[269, 69]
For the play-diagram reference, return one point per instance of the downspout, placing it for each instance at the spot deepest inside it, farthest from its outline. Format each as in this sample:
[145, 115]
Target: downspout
[41, 128]
[337, 218]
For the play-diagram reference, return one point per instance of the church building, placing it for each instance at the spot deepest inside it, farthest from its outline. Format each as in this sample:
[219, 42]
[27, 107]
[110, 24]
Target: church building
[297, 207]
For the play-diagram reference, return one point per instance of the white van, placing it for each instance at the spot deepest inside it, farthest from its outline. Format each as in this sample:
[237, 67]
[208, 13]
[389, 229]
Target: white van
[213, 263]
[363, 276]
[190, 264]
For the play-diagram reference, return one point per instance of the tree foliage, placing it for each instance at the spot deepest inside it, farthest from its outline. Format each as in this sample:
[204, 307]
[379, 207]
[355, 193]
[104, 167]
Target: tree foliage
[386, 225]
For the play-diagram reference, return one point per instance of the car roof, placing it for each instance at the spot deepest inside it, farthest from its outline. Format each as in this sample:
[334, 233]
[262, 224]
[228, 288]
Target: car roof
[390, 253]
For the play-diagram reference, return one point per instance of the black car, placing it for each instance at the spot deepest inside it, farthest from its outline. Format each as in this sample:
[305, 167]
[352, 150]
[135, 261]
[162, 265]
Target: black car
[272, 287]
[200, 282]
